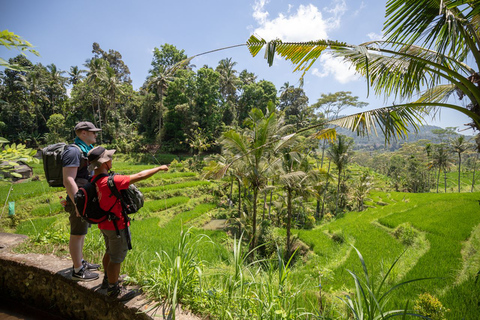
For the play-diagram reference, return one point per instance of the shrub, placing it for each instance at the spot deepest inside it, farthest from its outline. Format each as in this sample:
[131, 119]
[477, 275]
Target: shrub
[309, 222]
[338, 236]
[269, 240]
[328, 217]
[429, 306]
[406, 234]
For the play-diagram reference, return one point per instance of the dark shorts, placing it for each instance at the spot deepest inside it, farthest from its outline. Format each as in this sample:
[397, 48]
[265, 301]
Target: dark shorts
[116, 247]
[78, 226]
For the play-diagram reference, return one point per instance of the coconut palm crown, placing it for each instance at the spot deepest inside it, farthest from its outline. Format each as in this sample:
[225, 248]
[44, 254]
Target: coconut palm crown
[431, 50]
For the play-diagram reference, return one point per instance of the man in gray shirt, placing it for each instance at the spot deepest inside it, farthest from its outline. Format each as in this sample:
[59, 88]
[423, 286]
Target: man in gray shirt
[75, 175]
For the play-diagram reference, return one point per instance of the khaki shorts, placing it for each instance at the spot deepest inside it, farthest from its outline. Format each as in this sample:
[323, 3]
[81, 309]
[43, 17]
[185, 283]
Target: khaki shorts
[78, 226]
[116, 248]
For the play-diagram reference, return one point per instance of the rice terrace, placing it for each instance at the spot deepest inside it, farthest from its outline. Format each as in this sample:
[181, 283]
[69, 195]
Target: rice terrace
[258, 203]
[433, 236]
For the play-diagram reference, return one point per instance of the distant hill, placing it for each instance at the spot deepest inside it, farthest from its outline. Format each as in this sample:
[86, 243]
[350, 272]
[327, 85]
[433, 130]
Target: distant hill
[374, 142]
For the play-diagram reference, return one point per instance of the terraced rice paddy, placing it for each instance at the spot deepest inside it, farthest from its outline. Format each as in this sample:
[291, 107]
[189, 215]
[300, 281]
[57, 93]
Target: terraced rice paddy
[437, 236]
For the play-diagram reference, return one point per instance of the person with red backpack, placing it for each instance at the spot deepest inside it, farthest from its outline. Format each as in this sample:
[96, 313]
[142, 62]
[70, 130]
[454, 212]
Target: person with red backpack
[115, 231]
[75, 175]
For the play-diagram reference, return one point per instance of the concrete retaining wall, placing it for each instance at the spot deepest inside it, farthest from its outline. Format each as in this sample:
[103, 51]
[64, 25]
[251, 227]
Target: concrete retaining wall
[44, 281]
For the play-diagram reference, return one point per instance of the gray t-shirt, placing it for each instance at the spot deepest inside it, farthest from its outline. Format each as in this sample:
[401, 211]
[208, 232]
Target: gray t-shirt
[73, 157]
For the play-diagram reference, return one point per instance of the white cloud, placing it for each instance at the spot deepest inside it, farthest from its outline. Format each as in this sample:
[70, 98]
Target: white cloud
[258, 11]
[362, 6]
[341, 70]
[375, 36]
[337, 11]
[304, 24]
[307, 23]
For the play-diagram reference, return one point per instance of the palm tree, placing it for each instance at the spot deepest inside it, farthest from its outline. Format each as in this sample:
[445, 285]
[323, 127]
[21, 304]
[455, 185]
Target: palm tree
[228, 78]
[474, 170]
[158, 83]
[340, 153]
[35, 84]
[318, 188]
[55, 84]
[362, 188]
[229, 84]
[294, 170]
[284, 89]
[459, 145]
[427, 43]
[441, 161]
[215, 168]
[96, 75]
[76, 74]
[256, 148]
[113, 86]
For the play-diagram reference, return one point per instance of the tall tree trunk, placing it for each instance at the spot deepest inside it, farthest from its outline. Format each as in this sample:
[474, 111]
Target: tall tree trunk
[231, 193]
[438, 178]
[326, 188]
[253, 242]
[270, 202]
[289, 222]
[317, 211]
[323, 152]
[445, 178]
[239, 199]
[264, 205]
[459, 167]
[338, 190]
[474, 167]
[160, 111]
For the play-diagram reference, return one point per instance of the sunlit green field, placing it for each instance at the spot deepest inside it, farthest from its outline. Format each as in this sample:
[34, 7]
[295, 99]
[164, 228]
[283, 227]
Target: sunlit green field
[442, 245]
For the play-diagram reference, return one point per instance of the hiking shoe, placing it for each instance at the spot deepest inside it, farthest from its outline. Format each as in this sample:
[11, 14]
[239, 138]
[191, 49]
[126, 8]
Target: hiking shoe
[105, 281]
[91, 266]
[120, 293]
[84, 275]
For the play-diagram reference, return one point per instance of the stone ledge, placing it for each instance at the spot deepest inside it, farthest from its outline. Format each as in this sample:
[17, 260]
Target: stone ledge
[44, 281]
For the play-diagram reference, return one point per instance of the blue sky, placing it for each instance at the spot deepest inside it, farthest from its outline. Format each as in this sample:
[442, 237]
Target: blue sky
[63, 32]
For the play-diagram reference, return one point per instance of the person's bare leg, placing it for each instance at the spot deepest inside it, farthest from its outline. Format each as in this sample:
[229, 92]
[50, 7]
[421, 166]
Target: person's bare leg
[105, 262]
[113, 272]
[76, 249]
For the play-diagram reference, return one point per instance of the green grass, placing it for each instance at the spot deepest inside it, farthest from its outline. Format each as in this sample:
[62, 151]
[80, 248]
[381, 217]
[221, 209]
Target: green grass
[148, 238]
[159, 205]
[445, 248]
[182, 185]
[446, 219]
[25, 190]
[33, 227]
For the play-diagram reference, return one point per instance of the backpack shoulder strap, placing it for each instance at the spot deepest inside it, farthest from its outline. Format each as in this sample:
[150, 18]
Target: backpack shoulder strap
[75, 145]
[101, 175]
[113, 187]
[83, 159]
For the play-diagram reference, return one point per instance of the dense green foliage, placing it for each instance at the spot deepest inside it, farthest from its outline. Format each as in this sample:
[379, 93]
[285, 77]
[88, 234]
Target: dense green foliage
[178, 108]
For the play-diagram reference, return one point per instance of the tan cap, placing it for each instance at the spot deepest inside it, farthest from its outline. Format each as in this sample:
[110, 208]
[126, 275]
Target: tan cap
[99, 155]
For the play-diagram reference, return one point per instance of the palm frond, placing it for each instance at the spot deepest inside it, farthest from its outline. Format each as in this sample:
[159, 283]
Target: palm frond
[406, 71]
[255, 45]
[439, 93]
[326, 134]
[301, 54]
[394, 121]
